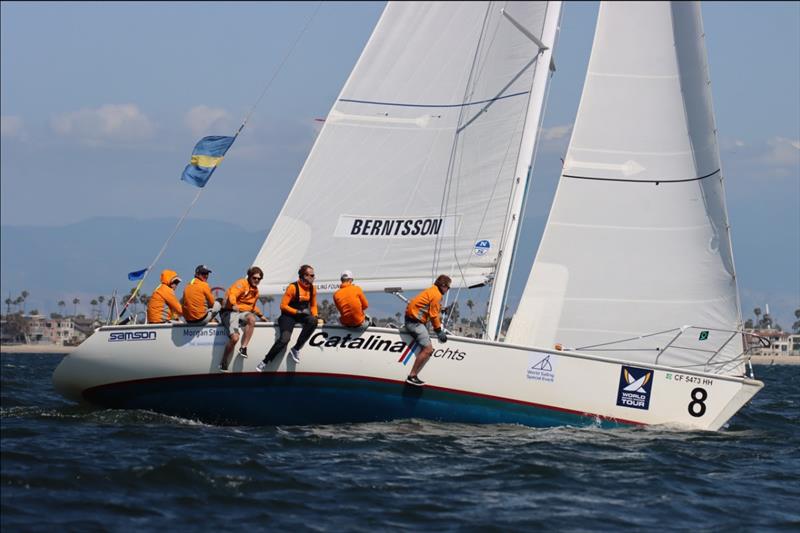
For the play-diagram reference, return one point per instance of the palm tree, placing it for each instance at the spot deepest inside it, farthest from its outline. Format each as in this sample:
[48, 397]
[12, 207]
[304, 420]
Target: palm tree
[93, 303]
[61, 305]
[757, 312]
[796, 325]
[18, 302]
[471, 305]
[75, 302]
[9, 301]
[24, 295]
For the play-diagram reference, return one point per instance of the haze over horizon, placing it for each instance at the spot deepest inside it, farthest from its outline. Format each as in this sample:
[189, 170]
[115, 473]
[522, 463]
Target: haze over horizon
[98, 121]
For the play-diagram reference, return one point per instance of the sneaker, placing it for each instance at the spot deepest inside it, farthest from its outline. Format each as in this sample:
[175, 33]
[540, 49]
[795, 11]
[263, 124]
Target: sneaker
[262, 366]
[223, 369]
[414, 380]
[295, 355]
[243, 351]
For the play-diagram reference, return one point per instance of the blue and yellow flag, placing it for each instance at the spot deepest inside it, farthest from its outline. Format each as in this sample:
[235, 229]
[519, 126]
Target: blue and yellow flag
[207, 154]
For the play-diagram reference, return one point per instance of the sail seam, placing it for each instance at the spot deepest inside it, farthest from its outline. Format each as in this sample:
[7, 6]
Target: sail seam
[595, 178]
[401, 104]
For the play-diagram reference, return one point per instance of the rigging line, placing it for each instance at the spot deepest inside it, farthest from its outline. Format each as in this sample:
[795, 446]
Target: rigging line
[481, 65]
[238, 131]
[594, 178]
[160, 253]
[281, 65]
[464, 104]
[468, 89]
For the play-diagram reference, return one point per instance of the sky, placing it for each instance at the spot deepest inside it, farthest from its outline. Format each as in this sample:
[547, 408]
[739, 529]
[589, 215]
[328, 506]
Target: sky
[102, 102]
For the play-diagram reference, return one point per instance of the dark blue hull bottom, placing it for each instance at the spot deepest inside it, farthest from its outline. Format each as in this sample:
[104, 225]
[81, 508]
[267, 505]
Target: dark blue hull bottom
[299, 399]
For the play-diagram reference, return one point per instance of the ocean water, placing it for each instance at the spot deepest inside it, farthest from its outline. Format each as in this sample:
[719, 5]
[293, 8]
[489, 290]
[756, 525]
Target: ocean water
[72, 468]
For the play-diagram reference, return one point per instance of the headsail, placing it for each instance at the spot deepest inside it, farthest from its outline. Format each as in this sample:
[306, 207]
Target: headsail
[637, 240]
[414, 169]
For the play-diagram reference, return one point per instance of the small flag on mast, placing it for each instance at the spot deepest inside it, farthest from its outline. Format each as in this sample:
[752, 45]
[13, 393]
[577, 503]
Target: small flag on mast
[207, 155]
[137, 275]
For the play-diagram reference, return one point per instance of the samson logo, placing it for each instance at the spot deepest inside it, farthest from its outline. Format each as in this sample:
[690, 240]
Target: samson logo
[376, 342]
[403, 228]
[122, 336]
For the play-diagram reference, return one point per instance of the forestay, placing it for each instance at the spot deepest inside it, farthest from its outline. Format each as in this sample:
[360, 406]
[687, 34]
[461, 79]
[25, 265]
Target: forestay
[637, 239]
[413, 171]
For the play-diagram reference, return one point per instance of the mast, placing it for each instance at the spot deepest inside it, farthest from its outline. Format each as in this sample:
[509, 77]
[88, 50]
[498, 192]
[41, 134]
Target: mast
[525, 159]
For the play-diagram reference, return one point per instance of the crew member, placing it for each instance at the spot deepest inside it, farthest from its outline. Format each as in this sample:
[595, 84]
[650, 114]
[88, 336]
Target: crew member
[351, 303]
[239, 312]
[299, 306]
[199, 306]
[421, 308]
[163, 305]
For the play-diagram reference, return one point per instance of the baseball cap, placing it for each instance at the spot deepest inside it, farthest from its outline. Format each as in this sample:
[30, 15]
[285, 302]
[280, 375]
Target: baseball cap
[346, 275]
[202, 269]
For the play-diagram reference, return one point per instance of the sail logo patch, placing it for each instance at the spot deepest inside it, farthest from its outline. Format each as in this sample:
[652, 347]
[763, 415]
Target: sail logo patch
[481, 247]
[541, 367]
[123, 336]
[396, 227]
[635, 385]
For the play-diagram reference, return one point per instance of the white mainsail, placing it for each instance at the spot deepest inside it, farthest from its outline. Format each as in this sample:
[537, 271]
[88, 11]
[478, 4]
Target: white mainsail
[638, 240]
[413, 173]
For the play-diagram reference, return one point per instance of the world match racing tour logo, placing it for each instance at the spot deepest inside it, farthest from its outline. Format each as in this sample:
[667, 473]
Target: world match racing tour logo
[635, 386]
[378, 343]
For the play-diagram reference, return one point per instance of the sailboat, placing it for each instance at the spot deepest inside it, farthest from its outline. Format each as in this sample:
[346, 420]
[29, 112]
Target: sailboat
[631, 313]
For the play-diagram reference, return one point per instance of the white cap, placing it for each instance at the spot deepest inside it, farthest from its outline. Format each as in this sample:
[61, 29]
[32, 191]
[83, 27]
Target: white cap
[346, 275]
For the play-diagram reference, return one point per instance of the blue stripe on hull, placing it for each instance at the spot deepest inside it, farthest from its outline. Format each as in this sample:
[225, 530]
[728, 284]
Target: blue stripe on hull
[296, 399]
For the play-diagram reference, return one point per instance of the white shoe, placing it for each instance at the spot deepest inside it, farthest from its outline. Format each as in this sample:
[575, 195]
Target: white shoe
[295, 354]
[261, 367]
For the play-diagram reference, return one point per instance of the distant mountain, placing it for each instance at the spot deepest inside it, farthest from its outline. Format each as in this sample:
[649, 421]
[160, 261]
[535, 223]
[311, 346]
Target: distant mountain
[92, 257]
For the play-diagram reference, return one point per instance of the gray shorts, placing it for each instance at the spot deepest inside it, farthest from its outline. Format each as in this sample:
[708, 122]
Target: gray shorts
[419, 332]
[234, 320]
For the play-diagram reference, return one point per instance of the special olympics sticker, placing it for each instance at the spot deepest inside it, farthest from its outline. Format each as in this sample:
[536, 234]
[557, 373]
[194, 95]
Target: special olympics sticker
[481, 247]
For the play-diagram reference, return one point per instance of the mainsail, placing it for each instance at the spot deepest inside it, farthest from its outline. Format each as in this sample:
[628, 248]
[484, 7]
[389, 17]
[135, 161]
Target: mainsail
[414, 171]
[637, 240]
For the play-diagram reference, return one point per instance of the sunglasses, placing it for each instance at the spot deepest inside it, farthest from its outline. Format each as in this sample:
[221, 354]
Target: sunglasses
[255, 278]
[311, 275]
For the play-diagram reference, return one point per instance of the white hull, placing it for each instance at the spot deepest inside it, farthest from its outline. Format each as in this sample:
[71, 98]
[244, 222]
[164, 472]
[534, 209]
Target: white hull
[173, 369]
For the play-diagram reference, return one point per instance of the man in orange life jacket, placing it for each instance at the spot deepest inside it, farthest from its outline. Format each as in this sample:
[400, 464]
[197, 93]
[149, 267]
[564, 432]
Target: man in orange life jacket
[420, 309]
[299, 306]
[164, 305]
[199, 306]
[351, 302]
[239, 311]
